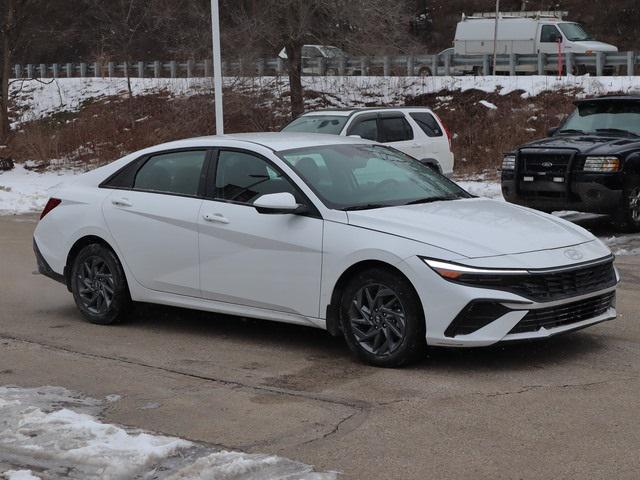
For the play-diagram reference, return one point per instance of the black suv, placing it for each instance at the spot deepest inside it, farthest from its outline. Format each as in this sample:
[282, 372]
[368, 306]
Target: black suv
[591, 163]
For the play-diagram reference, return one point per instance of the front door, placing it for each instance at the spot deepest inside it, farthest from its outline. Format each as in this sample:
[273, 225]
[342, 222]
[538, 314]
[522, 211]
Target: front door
[154, 221]
[267, 261]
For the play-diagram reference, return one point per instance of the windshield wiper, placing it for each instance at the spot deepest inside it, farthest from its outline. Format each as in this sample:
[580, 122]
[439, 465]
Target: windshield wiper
[616, 130]
[368, 206]
[432, 199]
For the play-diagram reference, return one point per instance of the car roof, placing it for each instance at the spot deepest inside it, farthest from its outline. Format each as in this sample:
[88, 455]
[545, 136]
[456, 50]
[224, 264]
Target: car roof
[610, 98]
[276, 141]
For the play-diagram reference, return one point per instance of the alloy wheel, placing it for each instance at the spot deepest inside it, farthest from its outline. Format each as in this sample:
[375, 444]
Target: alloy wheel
[96, 285]
[377, 319]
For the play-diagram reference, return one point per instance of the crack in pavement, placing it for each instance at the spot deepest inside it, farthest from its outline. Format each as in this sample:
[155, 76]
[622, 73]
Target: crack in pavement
[361, 408]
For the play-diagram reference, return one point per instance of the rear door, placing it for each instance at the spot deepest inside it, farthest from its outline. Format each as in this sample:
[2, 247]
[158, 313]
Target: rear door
[395, 130]
[152, 214]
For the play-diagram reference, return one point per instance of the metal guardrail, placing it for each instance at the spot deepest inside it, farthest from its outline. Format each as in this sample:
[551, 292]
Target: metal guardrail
[598, 63]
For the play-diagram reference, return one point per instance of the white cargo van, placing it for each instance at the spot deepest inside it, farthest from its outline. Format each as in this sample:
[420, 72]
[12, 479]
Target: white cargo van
[524, 33]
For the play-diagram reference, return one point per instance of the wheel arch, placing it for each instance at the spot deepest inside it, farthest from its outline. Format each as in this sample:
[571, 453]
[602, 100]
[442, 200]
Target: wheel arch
[78, 245]
[432, 163]
[333, 309]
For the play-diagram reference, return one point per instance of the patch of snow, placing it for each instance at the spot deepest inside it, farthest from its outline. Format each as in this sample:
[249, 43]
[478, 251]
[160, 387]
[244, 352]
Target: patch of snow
[19, 475]
[57, 432]
[25, 191]
[623, 245]
[489, 105]
[482, 188]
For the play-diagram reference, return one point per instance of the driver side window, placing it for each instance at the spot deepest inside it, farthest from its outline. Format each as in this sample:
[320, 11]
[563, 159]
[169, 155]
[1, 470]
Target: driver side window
[242, 178]
[549, 34]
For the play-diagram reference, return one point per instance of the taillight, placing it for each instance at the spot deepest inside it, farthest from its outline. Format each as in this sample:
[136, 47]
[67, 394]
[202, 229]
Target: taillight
[51, 204]
[446, 130]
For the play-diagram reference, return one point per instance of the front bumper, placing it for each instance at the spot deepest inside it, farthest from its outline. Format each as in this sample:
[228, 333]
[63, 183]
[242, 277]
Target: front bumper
[444, 301]
[585, 192]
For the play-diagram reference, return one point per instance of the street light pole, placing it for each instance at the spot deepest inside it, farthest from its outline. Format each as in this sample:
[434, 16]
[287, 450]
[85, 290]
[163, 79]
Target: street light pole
[495, 38]
[217, 67]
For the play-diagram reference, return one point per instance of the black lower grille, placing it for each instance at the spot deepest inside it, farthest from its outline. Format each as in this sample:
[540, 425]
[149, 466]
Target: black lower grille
[550, 286]
[474, 316]
[566, 314]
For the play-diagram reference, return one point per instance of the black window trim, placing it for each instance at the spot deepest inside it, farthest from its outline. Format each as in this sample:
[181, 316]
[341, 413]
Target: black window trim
[139, 162]
[212, 169]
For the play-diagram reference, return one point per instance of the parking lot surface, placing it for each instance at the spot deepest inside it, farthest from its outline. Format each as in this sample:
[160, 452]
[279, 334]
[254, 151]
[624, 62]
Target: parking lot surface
[565, 408]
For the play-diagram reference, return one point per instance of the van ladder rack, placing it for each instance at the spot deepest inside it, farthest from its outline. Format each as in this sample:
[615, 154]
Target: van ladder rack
[539, 14]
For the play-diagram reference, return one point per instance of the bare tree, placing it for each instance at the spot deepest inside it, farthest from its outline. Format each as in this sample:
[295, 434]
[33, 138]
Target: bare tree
[290, 24]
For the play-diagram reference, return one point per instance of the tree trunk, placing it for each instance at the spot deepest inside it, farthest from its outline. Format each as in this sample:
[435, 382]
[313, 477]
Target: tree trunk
[294, 56]
[5, 71]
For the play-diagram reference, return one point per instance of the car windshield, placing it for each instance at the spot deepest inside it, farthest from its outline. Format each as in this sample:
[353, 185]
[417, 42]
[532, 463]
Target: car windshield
[604, 117]
[574, 32]
[333, 52]
[358, 177]
[331, 124]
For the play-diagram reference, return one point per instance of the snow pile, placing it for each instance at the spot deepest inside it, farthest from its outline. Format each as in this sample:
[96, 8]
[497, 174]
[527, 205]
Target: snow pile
[36, 100]
[482, 188]
[489, 105]
[55, 433]
[20, 475]
[24, 191]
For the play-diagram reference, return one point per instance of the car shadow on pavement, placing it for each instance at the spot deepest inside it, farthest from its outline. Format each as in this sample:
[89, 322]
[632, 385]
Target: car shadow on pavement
[318, 344]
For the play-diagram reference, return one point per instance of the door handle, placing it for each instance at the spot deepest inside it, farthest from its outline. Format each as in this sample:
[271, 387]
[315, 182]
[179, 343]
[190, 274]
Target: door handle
[215, 217]
[121, 202]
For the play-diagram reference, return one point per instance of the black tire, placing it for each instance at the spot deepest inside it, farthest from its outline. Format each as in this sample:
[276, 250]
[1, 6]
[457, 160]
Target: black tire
[424, 72]
[627, 217]
[99, 285]
[331, 72]
[375, 339]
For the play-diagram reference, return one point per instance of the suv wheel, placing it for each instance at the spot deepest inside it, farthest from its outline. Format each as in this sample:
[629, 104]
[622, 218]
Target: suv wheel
[99, 285]
[627, 218]
[382, 318]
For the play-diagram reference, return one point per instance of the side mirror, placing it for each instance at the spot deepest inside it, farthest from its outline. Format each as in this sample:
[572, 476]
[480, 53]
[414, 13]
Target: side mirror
[273, 203]
[552, 131]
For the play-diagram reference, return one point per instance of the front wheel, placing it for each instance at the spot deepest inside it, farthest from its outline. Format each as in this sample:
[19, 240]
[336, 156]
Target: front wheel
[99, 285]
[627, 218]
[382, 318]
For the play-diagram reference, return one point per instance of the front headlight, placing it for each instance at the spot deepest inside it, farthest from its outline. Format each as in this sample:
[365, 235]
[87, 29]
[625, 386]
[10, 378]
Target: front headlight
[461, 273]
[509, 162]
[601, 164]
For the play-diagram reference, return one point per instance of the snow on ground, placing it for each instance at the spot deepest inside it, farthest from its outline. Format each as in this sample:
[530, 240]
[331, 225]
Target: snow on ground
[52, 433]
[489, 105]
[24, 191]
[36, 100]
[482, 188]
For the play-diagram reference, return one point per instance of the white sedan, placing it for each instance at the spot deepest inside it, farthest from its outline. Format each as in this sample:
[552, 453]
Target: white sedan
[332, 232]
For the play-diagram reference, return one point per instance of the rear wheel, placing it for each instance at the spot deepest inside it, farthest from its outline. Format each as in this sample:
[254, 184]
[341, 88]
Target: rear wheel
[99, 285]
[627, 218]
[382, 318]
[424, 72]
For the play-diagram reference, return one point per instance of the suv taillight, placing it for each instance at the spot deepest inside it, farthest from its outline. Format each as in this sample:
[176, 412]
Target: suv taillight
[444, 127]
[51, 204]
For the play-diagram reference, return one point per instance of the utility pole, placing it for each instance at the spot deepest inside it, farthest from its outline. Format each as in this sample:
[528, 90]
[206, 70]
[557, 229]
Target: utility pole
[217, 67]
[495, 38]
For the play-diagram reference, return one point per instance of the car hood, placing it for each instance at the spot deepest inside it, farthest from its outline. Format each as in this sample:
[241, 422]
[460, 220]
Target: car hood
[594, 45]
[587, 144]
[474, 227]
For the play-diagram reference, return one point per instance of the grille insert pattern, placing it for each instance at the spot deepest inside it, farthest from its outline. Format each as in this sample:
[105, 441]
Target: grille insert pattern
[544, 163]
[566, 314]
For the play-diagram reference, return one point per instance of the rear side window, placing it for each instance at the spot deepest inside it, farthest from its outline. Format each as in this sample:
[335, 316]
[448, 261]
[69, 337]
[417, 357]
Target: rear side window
[176, 172]
[395, 129]
[367, 129]
[427, 123]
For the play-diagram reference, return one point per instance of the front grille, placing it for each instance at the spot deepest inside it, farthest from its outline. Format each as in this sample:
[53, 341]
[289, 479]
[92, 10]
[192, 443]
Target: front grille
[566, 314]
[550, 286]
[544, 163]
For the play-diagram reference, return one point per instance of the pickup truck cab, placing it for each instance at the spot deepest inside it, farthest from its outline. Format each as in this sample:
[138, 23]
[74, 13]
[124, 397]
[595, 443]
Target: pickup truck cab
[591, 163]
[416, 131]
